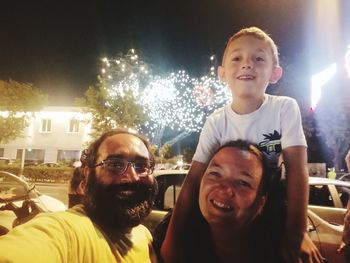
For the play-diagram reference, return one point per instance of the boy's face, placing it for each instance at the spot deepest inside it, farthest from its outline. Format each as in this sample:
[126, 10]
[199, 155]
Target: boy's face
[248, 67]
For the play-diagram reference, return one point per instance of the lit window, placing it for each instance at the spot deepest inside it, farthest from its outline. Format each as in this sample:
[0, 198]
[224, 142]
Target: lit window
[45, 125]
[73, 126]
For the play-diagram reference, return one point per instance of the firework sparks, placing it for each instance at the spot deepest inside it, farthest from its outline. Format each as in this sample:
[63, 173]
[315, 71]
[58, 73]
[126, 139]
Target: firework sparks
[175, 100]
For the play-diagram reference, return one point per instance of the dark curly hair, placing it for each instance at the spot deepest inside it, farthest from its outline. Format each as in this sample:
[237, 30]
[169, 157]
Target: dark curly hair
[76, 178]
[89, 156]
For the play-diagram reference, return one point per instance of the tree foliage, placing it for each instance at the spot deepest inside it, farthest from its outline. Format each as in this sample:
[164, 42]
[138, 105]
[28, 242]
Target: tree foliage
[188, 154]
[332, 118]
[107, 114]
[165, 151]
[154, 150]
[18, 102]
[113, 102]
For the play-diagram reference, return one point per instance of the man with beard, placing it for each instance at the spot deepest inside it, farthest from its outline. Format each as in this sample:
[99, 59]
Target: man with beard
[118, 192]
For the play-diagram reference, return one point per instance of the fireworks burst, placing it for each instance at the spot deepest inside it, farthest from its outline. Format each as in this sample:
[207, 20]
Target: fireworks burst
[176, 101]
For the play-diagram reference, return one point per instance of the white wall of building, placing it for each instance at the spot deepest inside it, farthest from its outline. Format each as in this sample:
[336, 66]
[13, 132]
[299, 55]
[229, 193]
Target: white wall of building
[58, 136]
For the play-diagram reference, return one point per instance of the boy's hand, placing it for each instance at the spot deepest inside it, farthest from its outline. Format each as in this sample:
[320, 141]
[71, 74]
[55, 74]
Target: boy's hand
[341, 247]
[297, 245]
[296, 252]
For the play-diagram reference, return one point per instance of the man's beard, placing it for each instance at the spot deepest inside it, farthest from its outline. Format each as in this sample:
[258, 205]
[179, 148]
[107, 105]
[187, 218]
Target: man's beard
[118, 206]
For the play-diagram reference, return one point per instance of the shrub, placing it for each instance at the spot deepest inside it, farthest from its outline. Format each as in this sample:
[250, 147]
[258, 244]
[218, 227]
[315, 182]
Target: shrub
[41, 174]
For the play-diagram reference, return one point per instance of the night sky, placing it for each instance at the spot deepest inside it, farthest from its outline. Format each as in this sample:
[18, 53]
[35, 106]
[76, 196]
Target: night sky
[58, 46]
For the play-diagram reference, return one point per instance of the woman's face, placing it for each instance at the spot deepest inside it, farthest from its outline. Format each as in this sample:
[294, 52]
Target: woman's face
[229, 191]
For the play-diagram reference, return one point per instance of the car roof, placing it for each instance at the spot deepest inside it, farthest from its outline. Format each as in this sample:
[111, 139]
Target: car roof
[323, 180]
[15, 177]
[162, 172]
[312, 180]
[344, 176]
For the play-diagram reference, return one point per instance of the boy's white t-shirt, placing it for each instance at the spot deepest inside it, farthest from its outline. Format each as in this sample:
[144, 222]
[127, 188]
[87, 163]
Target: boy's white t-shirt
[275, 126]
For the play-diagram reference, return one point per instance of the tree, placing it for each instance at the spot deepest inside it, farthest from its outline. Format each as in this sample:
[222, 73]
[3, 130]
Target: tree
[188, 154]
[154, 150]
[17, 104]
[107, 114]
[332, 117]
[114, 102]
[165, 151]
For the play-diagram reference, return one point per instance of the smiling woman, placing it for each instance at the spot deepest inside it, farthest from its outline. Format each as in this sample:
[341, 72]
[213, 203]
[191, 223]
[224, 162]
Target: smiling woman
[228, 223]
[229, 195]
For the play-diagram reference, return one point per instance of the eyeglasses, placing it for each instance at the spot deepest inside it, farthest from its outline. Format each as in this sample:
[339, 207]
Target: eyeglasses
[119, 166]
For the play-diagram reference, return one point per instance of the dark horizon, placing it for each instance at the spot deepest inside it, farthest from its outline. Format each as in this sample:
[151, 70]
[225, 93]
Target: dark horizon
[58, 46]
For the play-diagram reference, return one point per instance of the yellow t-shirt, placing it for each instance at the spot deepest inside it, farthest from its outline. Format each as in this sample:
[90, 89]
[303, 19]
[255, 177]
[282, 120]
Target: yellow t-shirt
[71, 237]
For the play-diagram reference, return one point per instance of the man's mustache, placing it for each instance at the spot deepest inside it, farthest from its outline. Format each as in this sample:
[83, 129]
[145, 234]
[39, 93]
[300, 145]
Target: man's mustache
[137, 187]
[131, 192]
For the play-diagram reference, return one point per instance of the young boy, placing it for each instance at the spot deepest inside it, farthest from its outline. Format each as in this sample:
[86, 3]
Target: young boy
[250, 63]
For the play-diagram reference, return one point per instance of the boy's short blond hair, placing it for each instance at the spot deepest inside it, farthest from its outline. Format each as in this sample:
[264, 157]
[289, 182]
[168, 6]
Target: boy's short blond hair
[259, 34]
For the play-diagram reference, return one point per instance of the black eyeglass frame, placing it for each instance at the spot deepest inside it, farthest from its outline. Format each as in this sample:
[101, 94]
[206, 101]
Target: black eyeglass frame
[104, 164]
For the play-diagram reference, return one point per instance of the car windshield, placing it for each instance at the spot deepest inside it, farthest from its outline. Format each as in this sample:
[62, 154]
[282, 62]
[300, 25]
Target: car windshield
[320, 195]
[13, 188]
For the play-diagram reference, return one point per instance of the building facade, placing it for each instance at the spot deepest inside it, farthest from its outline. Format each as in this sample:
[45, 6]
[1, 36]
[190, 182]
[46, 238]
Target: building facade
[55, 134]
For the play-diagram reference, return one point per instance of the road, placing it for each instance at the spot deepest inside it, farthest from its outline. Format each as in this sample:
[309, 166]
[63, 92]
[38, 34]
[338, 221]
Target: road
[58, 191]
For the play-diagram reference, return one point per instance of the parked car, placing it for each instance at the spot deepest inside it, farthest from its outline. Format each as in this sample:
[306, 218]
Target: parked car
[31, 162]
[49, 164]
[328, 198]
[185, 166]
[326, 237]
[15, 194]
[325, 234]
[4, 161]
[345, 177]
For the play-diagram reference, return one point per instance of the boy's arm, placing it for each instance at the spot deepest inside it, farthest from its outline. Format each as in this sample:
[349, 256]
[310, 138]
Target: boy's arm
[152, 254]
[296, 243]
[185, 202]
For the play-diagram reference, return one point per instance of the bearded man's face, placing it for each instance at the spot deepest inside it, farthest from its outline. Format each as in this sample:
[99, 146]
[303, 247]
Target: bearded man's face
[119, 205]
[120, 187]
